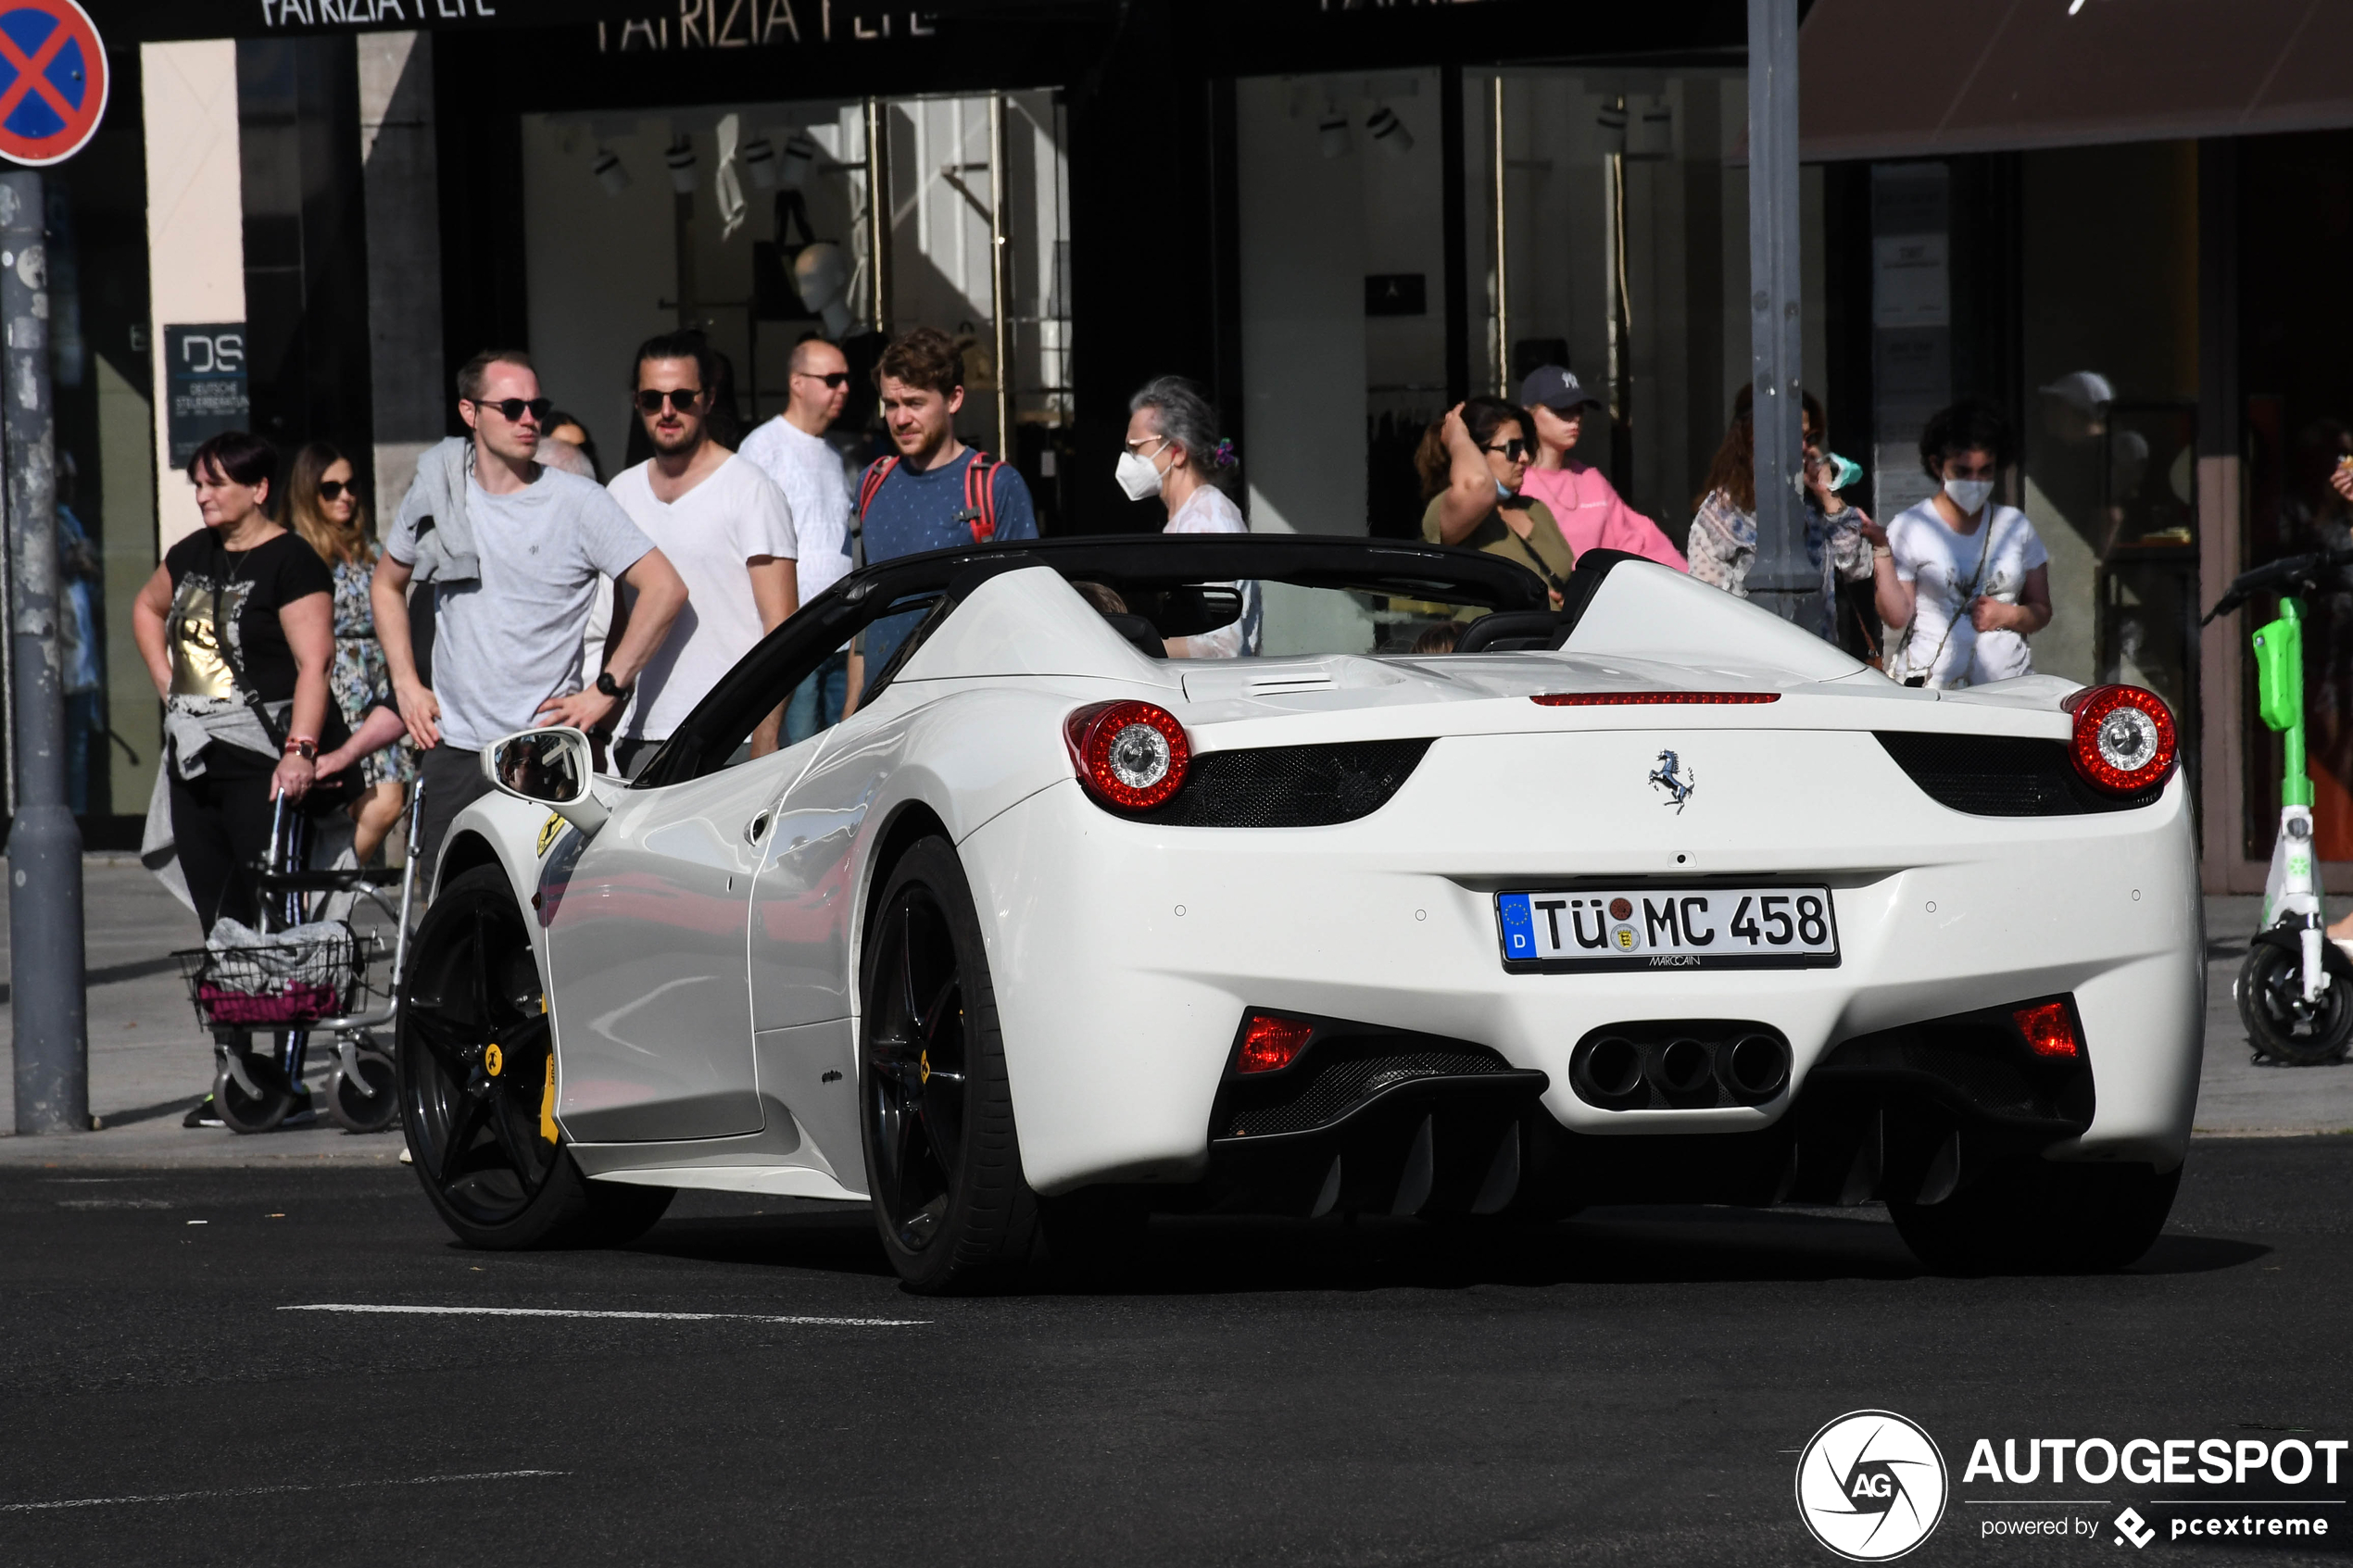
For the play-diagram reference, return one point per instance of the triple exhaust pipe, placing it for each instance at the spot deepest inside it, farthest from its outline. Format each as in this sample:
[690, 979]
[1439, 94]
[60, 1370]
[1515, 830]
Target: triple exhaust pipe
[1700, 1063]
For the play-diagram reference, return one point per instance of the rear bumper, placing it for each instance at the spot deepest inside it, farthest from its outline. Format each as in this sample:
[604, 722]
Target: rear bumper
[1124, 954]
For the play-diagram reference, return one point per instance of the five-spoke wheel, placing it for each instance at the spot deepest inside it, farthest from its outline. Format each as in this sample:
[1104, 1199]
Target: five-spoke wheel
[477, 1083]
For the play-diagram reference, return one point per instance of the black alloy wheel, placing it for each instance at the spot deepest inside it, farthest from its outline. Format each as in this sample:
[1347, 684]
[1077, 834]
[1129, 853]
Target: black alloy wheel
[943, 1160]
[477, 1083]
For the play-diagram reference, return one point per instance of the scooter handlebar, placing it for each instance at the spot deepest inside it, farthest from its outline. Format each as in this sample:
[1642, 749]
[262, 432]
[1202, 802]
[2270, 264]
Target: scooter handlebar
[2288, 573]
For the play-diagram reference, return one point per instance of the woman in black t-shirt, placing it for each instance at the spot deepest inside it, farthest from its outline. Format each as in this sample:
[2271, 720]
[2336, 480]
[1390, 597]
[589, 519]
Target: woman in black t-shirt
[240, 607]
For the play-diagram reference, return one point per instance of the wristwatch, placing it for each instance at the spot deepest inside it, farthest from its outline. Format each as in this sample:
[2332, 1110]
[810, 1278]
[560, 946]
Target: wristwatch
[304, 748]
[605, 686]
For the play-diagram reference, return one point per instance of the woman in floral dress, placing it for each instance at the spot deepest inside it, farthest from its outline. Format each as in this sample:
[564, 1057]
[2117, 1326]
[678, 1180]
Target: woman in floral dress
[326, 511]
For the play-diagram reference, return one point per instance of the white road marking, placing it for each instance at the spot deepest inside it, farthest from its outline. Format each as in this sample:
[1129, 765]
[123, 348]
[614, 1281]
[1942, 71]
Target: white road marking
[572, 1312]
[269, 1491]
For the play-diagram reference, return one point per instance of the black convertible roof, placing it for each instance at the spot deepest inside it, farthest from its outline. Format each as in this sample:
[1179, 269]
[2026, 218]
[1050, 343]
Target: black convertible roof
[1405, 569]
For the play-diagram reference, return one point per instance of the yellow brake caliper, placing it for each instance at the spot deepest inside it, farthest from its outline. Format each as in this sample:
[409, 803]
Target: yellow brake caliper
[547, 1095]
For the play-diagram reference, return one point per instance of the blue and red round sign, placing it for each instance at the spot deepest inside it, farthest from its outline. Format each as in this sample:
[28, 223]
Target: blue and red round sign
[53, 81]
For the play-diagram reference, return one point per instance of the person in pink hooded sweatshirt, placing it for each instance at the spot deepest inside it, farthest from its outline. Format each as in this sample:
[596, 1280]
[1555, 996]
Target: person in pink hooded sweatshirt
[1591, 512]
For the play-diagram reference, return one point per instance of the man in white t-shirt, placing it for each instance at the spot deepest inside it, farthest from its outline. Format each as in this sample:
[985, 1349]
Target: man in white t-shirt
[791, 450]
[726, 528]
[1964, 580]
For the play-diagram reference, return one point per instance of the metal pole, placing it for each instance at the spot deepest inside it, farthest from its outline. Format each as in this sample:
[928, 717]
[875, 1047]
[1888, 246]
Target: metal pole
[1001, 275]
[878, 211]
[44, 847]
[1781, 577]
[1502, 272]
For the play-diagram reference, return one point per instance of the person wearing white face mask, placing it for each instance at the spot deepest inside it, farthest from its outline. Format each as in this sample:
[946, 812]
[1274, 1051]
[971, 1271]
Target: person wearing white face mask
[1173, 452]
[1968, 580]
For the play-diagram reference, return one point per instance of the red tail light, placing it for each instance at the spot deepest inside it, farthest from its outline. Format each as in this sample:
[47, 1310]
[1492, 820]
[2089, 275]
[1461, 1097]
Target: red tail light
[2049, 1030]
[1270, 1044]
[1648, 699]
[1129, 755]
[2124, 738]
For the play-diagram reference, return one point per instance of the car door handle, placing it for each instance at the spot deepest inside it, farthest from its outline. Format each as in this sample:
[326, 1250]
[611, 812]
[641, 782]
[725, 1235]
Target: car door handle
[758, 827]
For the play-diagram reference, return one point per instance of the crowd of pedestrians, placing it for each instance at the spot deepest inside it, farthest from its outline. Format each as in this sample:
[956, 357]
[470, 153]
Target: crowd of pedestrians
[299, 658]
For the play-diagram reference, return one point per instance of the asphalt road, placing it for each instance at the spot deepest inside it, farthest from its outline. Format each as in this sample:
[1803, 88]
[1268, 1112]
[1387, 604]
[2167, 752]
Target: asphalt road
[1629, 1386]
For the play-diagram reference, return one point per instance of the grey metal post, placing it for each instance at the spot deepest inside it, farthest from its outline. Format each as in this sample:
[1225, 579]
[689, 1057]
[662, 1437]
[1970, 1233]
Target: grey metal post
[1782, 578]
[44, 847]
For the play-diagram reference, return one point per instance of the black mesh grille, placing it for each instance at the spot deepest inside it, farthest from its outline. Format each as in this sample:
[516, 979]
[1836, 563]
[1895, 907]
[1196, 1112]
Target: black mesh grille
[1291, 787]
[1331, 1088]
[1980, 1064]
[2001, 775]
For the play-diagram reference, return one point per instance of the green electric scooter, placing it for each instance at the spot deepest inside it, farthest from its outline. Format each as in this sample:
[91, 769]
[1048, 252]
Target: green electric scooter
[2295, 990]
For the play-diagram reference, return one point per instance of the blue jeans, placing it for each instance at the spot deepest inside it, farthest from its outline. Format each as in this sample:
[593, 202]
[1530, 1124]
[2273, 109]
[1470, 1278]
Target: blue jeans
[816, 703]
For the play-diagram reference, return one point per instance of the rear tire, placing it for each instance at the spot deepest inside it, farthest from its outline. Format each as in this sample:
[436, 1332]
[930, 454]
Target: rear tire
[943, 1158]
[2039, 1217]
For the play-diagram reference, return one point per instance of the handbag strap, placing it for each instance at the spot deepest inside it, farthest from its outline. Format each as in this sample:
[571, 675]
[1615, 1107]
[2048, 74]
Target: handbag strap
[229, 652]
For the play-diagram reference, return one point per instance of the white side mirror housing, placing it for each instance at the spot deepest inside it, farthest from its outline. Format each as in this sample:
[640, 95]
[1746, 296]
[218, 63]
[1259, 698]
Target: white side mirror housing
[550, 768]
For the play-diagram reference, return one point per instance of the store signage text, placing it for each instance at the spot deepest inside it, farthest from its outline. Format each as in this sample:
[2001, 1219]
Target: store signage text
[742, 24]
[370, 13]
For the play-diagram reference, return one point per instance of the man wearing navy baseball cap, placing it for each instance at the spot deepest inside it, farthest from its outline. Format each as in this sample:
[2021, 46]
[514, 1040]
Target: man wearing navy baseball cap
[1590, 513]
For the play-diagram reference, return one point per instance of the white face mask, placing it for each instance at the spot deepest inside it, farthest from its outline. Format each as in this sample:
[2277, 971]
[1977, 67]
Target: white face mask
[1969, 495]
[1138, 475]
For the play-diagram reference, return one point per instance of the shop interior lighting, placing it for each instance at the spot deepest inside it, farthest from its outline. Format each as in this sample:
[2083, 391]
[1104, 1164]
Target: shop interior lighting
[680, 160]
[1389, 131]
[611, 172]
[1331, 133]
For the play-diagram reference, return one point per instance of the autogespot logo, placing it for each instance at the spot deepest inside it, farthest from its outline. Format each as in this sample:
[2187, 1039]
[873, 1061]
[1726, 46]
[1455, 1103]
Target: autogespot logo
[1871, 1486]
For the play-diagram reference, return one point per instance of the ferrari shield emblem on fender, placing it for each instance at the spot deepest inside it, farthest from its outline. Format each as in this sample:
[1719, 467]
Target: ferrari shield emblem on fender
[1675, 777]
[554, 825]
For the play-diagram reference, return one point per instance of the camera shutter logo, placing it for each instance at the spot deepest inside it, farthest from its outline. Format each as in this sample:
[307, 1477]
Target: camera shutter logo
[1871, 1486]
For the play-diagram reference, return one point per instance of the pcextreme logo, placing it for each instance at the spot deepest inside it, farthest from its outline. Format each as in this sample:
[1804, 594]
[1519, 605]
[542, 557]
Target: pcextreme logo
[1871, 1486]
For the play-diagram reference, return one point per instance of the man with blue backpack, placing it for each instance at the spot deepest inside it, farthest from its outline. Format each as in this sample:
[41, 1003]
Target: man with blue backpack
[933, 492]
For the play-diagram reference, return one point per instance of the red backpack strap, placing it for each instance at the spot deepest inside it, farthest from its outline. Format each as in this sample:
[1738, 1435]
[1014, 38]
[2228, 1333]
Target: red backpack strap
[876, 472]
[980, 496]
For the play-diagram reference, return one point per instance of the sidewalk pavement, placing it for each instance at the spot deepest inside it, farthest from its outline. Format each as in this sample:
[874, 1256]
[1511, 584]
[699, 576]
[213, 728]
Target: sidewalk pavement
[149, 1061]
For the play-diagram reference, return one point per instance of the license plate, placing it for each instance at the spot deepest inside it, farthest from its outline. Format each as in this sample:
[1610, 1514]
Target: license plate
[1668, 928]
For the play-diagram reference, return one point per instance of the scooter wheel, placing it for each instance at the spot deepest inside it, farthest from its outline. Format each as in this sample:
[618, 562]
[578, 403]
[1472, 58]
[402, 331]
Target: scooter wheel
[243, 1112]
[2280, 1023]
[373, 1102]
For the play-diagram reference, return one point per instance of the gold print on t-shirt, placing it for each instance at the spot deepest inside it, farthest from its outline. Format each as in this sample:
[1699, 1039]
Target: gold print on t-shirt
[197, 615]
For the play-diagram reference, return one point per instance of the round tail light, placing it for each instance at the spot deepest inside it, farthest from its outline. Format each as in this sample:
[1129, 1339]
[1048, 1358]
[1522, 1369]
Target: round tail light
[1129, 755]
[2124, 739]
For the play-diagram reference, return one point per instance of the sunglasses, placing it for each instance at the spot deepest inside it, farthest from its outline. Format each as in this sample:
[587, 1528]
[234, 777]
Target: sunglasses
[1513, 451]
[333, 490]
[513, 407]
[834, 379]
[682, 398]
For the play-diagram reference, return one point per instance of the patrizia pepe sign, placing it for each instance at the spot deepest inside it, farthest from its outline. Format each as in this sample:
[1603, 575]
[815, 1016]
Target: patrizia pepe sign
[743, 24]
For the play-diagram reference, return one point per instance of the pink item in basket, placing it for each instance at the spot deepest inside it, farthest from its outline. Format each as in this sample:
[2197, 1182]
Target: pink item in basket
[298, 1003]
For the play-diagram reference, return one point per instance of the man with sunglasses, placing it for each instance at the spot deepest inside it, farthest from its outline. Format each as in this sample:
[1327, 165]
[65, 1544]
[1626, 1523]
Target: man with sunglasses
[791, 450]
[722, 523]
[511, 552]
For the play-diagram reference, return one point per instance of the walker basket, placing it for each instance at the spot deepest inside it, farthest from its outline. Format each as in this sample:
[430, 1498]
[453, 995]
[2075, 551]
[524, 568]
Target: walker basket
[280, 986]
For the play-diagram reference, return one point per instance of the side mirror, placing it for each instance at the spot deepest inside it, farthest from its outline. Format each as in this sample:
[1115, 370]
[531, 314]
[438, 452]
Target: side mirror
[548, 768]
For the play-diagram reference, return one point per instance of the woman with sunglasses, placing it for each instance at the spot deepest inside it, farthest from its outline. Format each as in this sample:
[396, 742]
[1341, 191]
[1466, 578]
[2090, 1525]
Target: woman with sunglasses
[324, 506]
[1838, 538]
[1473, 463]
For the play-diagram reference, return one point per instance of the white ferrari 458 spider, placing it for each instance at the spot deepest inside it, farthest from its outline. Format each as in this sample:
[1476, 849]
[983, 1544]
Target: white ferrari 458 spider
[1650, 897]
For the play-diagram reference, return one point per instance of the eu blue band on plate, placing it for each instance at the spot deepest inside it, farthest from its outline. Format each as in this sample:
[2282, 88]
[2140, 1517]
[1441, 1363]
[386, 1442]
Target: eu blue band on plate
[1519, 932]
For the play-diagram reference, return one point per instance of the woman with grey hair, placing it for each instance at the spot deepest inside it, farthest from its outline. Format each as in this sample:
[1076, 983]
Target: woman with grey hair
[1173, 452]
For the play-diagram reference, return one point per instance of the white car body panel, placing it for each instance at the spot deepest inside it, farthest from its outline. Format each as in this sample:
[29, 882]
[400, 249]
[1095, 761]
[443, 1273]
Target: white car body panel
[1124, 953]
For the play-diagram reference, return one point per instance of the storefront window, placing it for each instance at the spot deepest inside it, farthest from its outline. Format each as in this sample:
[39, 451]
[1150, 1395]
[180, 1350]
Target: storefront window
[2296, 322]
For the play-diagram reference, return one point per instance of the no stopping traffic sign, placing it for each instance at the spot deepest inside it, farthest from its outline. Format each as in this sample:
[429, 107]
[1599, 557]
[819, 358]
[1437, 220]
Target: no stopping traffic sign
[53, 81]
